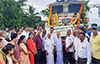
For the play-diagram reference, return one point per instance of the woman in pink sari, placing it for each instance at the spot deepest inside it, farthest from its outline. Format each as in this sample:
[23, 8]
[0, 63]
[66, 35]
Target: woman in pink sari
[24, 54]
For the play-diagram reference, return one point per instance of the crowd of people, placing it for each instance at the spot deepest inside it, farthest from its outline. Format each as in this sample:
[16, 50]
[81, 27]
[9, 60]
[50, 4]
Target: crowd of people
[27, 45]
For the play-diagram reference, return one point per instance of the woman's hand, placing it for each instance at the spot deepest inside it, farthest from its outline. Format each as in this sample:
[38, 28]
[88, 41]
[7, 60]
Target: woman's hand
[29, 52]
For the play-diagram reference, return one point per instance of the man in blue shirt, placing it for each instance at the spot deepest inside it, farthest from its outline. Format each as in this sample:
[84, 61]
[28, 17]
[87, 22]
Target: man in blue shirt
[87, 31]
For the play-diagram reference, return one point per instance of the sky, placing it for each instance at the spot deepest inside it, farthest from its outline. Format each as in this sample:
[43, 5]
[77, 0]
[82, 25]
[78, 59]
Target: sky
[40, 4]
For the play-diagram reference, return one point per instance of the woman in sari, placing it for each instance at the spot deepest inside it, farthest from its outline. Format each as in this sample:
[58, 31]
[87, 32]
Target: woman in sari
[31, 47]
[1, 53]
[24, 54]
[14, 40]
[5, 54]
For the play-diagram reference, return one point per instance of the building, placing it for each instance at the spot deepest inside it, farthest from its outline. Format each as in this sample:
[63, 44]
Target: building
[65, 8]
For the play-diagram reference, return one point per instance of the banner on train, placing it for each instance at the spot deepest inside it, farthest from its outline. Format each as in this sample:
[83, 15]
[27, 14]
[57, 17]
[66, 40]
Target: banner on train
[61, 29]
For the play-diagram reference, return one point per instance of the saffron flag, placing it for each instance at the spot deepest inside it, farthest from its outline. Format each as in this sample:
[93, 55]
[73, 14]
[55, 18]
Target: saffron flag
[51, 15]
[82, 3]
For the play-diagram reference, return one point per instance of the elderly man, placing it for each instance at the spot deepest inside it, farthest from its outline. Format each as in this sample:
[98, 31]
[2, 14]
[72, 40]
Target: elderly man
[3, 36]
[49, 49]
[58, 45]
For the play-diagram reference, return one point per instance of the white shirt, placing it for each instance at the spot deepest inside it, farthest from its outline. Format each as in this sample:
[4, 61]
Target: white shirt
[87, 35]
[36, 31]
[5, 41]
[83, 50]
[9, 60]
[69, 40]
[44, 43]
[76, 41]
[8, 36]
[53, 36]
[25, 34]
[58, 44]
[49, 45]
[40, 33]
[19, 36]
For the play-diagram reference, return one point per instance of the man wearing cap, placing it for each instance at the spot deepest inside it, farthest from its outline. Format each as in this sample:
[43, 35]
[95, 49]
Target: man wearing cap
[92, 26]
[95, 44]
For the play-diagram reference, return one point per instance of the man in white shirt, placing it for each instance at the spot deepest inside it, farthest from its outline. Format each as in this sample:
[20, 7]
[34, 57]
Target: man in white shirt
[69, 47]
[19, 33]
[25, 32]
[58, 45]
[41, 30]
[44, 47]
[76, 40]
[3, 36]
[13, 30]
[53, 38]
[8, 35]
[52, 34]
[83, 50]
[49, 49]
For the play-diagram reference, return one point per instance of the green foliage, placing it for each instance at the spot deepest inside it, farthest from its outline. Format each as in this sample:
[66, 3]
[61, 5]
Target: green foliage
[45, 12]
[86, 9]
[99, 28]
[12, 14]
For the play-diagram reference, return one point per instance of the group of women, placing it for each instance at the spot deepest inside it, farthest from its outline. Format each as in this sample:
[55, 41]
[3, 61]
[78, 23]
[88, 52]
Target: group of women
[19, 51]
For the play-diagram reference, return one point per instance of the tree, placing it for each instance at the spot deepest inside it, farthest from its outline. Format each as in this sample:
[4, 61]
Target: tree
[99, 28]
[45, 12]
[12, 14]
[32, 18]
[86, 9]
